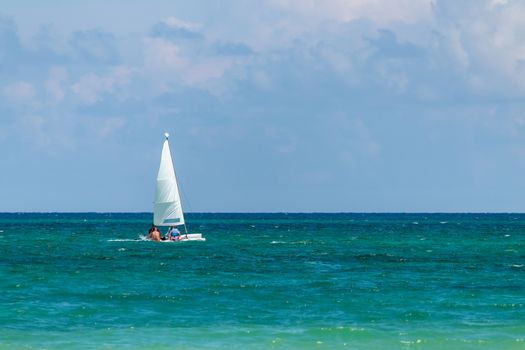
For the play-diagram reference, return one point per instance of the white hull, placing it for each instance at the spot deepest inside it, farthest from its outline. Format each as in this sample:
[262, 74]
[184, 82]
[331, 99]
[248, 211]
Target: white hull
[190, 237]
[186, 239]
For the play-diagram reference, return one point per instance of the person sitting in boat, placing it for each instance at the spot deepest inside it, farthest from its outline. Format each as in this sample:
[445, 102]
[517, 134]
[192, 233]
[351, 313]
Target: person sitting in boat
[154, 234]
[174, 234]
[167, 236]
[170, 231]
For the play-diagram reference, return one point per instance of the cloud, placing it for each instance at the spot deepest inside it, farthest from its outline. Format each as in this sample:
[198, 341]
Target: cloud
[20, 92]
[91, 87]
[378, 11]
[481, 38]
[173, 64]
[173, 29]
[387, 46]
[382, 94]
[163, 55]
[197, 63]
[56, 83]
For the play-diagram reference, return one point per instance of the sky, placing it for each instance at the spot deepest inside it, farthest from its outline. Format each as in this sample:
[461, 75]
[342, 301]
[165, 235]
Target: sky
[273, 106]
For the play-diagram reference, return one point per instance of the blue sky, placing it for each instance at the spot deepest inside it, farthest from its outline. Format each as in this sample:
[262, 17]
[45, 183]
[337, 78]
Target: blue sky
[278, 105]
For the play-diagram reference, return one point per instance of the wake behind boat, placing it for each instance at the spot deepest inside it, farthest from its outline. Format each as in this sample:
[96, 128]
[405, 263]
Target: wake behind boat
[167, 210]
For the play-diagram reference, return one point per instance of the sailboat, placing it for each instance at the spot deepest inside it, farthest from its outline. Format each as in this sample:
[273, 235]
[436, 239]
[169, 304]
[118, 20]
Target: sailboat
[167, 210]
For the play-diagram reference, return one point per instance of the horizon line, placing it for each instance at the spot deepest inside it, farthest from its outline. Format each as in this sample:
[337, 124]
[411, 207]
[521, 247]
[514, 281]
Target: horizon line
[267, 212]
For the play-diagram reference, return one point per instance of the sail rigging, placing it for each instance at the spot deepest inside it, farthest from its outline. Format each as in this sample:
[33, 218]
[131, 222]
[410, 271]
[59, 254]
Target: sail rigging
[167, 209]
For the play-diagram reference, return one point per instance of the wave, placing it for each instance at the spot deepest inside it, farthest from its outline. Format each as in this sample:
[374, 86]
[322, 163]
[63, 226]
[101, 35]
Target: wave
[124, 240]
[141, 238]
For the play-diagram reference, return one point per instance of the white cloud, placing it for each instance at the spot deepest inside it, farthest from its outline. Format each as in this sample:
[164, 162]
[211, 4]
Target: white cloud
[338, 60]
[379, 11]
[484, 41]
[163, 55]
[91, 87]
[178, 23]
[394, 79]
[457, 49]
[19, 92]
[55, 83]
[495, 3]
[171, 63]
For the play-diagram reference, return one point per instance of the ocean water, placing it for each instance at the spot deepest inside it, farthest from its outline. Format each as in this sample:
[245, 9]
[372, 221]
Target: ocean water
[264, 281]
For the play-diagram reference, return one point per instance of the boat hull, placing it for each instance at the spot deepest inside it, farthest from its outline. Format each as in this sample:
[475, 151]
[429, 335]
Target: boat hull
[189, 237]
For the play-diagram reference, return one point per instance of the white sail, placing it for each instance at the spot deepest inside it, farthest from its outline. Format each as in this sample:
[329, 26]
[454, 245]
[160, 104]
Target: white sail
[167, 210]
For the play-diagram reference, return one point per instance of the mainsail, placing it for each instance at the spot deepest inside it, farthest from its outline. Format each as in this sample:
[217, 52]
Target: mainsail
[167, 210]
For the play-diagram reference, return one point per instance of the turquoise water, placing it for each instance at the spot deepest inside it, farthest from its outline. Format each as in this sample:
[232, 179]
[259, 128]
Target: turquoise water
[264, 281]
